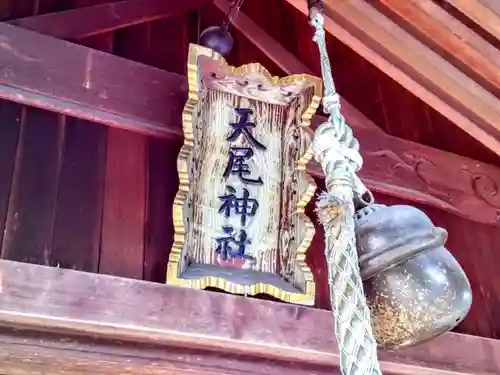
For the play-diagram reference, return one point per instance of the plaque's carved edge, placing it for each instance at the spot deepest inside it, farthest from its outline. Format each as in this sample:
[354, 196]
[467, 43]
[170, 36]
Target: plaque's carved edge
[189, 114]
[303, 219]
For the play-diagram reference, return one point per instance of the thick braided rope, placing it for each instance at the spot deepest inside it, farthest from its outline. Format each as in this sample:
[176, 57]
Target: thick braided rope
[336, 150]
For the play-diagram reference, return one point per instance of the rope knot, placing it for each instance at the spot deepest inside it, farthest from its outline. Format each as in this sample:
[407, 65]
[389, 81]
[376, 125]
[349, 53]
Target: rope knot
[331, 102]
[317, 21]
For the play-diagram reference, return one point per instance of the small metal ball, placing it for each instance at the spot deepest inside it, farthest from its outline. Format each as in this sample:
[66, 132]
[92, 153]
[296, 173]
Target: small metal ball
[217, 39]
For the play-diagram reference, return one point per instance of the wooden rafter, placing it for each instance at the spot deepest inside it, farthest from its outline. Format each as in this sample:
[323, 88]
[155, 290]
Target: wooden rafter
[84, 22]
[415, 66]
[88, 84]
[60, 76]
[186, 330]
[438, 29]
[486, 14]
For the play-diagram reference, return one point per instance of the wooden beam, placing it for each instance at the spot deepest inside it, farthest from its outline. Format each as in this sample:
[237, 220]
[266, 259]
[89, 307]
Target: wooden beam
[183, 329]
[415, 66]
[286, 60]
[32, 353]
[493, 5]
[438, 29]
[422, 174]
[52, 74]
[56, 75]
[84, 22]
[486, 14]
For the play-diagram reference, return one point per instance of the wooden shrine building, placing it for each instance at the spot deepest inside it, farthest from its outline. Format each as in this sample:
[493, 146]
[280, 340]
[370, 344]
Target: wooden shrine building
[92, 93]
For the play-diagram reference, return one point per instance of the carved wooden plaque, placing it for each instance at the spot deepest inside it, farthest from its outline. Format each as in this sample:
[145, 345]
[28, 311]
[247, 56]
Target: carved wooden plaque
[239, 213]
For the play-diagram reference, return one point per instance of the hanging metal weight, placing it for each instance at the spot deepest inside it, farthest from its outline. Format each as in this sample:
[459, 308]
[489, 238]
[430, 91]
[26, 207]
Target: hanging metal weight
[415, 288]
[217, 38]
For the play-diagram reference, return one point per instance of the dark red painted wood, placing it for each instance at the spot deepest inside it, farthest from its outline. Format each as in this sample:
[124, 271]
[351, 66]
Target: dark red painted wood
[123, 228]
[102, 42]
[77, 232]
[30, 219]
[146, 44]
[4, 10]
[162, 187]
[45, 72]
[18, 9]
[109, 16]
[10, 121]
[77, 235]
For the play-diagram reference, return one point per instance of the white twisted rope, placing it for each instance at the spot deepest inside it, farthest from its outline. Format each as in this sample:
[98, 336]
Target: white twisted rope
[337, 151]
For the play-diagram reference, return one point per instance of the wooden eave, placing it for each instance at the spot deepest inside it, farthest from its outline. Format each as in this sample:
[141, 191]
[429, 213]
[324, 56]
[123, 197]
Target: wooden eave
[422, 47]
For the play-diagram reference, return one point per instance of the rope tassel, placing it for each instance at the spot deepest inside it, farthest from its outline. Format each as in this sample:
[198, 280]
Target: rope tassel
[336, 149]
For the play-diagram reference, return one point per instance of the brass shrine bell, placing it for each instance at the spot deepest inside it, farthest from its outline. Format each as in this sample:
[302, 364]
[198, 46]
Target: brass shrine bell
[415, 288]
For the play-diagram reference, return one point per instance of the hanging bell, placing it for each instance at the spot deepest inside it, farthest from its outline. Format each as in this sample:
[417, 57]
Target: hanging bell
[217, 38]
[415, 288]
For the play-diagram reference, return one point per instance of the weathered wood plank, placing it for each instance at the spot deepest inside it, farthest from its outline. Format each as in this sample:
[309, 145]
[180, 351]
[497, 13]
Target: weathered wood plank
[93, 20]
[102, 42]
[30, 218]
[162, 185]
[17, 9]
[124, 216]
[77, 232]
[68, 355]
[123, 226]
[224, 329]
[485, 13]
[45, 72]
[420, 70]
[145, 43]
[441, 31]
[470, 22]
[10, 121]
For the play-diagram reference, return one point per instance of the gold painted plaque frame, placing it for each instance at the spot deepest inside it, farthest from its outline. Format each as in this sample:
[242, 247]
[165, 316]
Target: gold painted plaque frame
[296, 229]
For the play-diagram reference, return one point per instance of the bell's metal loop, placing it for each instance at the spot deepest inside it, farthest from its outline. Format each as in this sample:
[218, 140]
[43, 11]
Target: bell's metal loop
[415, 288]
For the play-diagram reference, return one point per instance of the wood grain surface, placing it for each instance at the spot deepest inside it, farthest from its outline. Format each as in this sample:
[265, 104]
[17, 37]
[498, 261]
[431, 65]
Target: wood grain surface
[157, 329]
[276, 231]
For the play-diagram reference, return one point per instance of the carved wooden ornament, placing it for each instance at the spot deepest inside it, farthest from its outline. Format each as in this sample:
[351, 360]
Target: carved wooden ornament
[239, 212]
